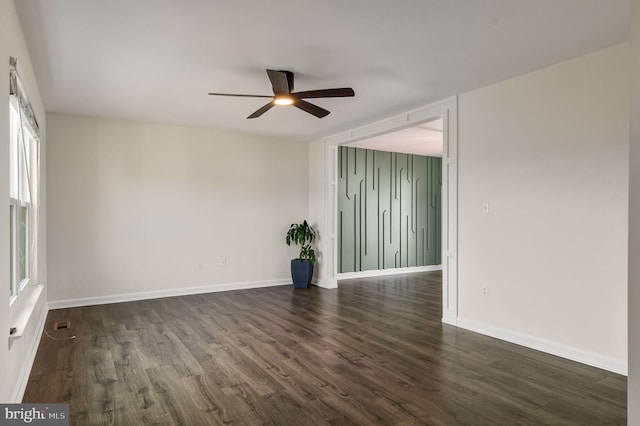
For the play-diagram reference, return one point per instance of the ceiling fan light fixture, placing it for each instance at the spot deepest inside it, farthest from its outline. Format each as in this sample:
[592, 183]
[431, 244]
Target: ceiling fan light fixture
[283, 94]
[283, 100]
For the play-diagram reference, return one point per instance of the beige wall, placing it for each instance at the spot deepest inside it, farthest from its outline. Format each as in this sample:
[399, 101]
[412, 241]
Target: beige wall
[137, 207]
[633, 396]
[15, 354]
[549, 151]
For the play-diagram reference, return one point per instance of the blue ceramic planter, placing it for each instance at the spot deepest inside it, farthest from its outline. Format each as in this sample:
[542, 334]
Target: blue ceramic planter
[301, 273]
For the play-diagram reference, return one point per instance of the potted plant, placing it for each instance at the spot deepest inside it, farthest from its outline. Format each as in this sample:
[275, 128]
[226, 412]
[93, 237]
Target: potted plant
[302, 268]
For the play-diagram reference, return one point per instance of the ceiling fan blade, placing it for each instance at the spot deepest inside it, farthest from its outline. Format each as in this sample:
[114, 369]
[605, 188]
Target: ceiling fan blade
[343, 92]
[262, 110]
[243, 96]
[310, 108]
[280, 81]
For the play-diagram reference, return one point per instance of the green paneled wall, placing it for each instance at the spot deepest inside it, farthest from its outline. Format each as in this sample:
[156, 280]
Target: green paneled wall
[389, 210]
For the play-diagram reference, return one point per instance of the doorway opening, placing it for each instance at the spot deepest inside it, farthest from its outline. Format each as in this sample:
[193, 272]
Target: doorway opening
[446, 111]
[390, 202]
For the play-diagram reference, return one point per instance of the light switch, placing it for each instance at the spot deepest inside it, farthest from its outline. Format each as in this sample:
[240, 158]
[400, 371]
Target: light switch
[485, 207]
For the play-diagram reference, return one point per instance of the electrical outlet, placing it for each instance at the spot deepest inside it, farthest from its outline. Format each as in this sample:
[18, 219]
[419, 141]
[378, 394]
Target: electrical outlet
[485, 290]
[222, 262]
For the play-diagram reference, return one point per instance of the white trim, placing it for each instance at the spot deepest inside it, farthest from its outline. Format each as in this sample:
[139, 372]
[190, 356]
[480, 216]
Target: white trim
[23, 378]
[450, 208]
[20, 313]
[331, 212]
[325, 284]
[398, 122]
[585, 357]
[13, 242]
[448, 110]
[390, 271]
[449, 318]
[130, 297]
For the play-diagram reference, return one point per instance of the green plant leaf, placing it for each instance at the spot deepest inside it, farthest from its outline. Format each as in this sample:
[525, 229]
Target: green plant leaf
[301, 234]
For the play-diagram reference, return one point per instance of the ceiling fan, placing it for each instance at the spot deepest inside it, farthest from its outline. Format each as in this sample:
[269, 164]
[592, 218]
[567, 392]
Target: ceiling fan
[283, 94]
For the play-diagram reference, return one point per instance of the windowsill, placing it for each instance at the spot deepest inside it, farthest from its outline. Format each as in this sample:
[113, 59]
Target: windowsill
[22, 309]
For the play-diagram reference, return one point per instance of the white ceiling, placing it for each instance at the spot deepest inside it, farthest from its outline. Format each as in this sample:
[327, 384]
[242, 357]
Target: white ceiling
[423, 139]
[157, 60]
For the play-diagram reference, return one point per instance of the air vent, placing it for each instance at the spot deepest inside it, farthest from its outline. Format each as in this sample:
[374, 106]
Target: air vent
[62, 325]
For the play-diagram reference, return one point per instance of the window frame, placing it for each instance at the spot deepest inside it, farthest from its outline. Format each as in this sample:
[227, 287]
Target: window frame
[23, 160]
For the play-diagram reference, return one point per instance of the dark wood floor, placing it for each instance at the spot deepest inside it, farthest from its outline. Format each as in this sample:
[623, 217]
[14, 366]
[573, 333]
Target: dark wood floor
[372, 352]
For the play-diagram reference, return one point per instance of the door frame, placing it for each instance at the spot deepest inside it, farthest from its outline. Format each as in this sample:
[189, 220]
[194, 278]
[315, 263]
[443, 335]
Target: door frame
[448, 110]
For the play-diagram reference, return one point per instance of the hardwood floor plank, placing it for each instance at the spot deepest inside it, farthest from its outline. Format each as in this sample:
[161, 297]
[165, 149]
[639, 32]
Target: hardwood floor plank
[373, 351]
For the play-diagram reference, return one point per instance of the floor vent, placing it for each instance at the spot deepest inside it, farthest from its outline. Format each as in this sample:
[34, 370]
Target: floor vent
[62, 325]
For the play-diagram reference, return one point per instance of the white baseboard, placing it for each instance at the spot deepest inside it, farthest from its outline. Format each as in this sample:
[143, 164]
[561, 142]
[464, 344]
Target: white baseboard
[585, 357]
[324, 284]
[391, 271]
[449, 317]
[23, 378]
[130, 297]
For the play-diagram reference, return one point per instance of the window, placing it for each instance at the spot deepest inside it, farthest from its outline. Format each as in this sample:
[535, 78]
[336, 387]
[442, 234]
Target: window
[23, 185]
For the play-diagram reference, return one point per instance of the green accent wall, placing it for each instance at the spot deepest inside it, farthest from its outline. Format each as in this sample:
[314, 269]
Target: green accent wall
[389, 210]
